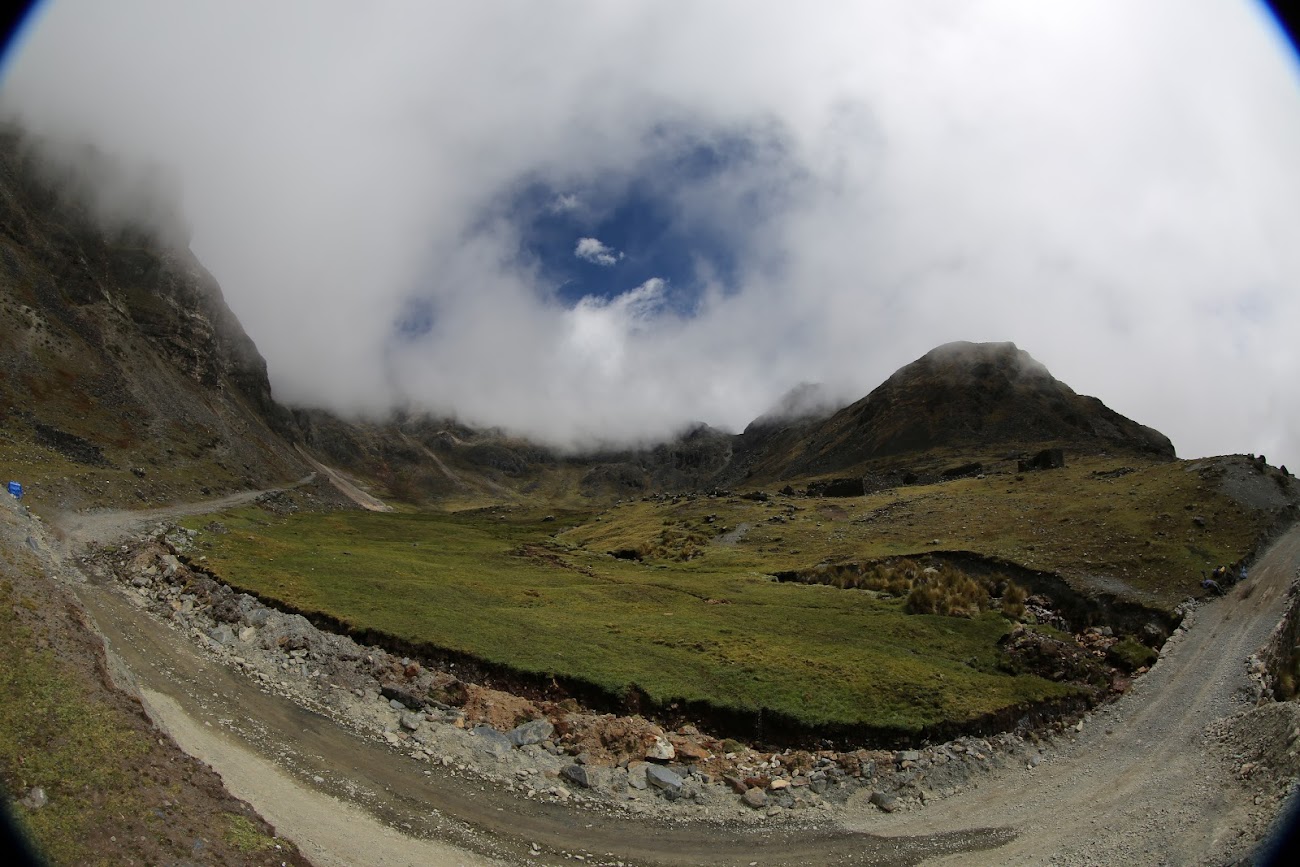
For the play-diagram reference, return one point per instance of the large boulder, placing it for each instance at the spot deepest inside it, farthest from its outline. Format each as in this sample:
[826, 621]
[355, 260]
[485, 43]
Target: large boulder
[663, 779]
[530, 732]
[492, 742]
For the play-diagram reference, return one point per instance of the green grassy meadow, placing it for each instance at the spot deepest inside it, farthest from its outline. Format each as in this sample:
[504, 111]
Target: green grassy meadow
[719, 632]
[699, 617]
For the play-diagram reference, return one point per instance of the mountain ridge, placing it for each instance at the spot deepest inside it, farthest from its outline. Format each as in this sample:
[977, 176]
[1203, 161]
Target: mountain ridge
[119, 353]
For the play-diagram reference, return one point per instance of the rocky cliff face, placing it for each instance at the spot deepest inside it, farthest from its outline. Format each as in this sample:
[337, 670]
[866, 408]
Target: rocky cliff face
[118, 352]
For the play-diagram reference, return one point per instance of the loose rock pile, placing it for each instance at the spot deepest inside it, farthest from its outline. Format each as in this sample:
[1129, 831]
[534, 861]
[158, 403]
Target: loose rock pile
[538, 749]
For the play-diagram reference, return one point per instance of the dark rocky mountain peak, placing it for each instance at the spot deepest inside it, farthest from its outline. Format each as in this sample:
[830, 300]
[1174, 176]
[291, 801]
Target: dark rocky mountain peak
[806, 401]
[984, 393]
[960, 396]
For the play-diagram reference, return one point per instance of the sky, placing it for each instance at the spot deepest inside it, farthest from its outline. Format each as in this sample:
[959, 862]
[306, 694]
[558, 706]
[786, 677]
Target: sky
[595, 222]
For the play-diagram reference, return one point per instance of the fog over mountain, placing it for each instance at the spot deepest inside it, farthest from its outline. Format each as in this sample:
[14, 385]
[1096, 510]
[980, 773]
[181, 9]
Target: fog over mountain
[594, 222]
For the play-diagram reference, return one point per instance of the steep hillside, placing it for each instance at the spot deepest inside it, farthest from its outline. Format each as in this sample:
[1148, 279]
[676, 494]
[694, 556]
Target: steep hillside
[778, 432]
[958, 397]
[423, 459]
[124, 376]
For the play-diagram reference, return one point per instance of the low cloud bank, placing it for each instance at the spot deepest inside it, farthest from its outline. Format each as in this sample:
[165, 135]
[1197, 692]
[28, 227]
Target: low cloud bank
[1111, 186]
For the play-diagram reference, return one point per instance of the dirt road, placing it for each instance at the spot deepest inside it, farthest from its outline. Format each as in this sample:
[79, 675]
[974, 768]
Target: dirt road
[79, 529]
[1141, 784]
[249, 733]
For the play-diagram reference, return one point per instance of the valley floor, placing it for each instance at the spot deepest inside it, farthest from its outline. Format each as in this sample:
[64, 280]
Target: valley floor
[1189, 767]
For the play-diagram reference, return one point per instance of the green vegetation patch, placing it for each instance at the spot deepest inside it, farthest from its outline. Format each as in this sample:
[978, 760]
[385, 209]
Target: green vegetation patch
[1131, 654]
[77, 751]
[503, 587]
[938, 589]
[1143, 529]
[244, 835]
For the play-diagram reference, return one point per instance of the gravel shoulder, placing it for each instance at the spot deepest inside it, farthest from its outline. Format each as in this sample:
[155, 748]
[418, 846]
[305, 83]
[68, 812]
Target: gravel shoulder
[1155, 778]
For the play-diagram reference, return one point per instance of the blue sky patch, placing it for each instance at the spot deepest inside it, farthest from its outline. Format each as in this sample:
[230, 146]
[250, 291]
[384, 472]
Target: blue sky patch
[685, 214]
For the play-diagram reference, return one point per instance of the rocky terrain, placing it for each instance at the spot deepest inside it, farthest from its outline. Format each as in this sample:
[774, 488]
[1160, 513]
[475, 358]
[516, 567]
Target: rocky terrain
[124, 376]
[546, 750]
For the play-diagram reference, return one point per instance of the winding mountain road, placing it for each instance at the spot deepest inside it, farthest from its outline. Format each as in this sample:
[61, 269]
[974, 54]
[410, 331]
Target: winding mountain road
[1140, 784]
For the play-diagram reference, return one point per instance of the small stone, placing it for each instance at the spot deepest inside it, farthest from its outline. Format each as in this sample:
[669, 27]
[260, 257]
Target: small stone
[493, 742]
[577, 774]
[885, 801]
[222, 634]
[660, 750]
[779, 784]
[531, 733]
[35, 798]
[410, 721]
[755, 798]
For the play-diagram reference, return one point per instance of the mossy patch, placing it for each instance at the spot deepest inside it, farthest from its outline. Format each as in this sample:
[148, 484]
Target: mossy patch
[1131, 654]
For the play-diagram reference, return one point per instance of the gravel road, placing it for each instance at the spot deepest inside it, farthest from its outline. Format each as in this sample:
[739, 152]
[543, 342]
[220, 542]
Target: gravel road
[1146, 781]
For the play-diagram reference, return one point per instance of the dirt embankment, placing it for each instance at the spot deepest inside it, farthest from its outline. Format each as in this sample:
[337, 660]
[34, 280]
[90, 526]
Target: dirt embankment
[89, 775]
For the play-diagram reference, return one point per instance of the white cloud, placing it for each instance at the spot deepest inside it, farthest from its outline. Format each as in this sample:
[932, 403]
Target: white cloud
[595, 252]
[1111, 185]
[598, 329]
[564, 203]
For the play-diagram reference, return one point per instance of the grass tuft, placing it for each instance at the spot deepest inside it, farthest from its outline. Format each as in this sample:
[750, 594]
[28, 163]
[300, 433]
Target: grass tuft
[244, 835]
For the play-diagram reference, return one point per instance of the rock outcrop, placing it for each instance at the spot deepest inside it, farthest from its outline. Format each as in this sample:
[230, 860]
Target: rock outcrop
[118, 351]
